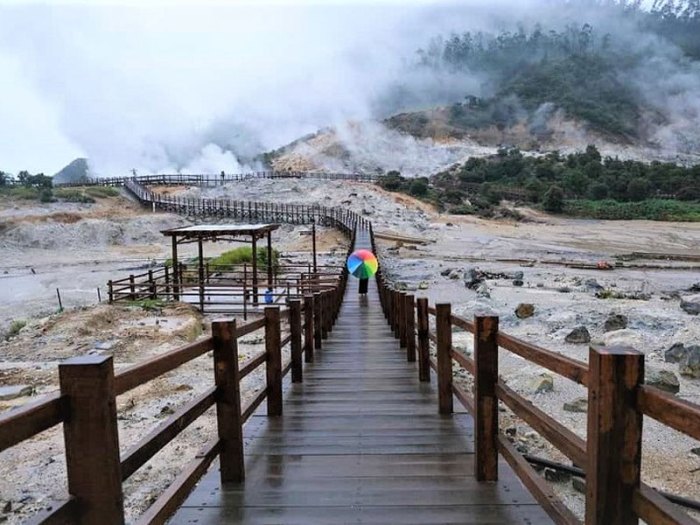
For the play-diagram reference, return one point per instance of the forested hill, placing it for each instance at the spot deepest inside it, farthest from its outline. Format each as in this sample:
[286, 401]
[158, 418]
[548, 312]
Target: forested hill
[638, 82]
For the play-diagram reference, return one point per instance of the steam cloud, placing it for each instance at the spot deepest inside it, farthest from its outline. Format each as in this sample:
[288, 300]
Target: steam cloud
[195, 88]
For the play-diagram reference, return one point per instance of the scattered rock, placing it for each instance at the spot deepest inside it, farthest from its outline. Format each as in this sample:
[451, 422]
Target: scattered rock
[446, 272]
[690, 366]
[518, 282]
[593, 285]
[663, 380]
[167, 410]
[615, 322]
[518, 276]
[578, 335]
[525, 310]
[472, 278]
[543, 383]
[695, 288]
[7, 508]
[483, 291]
[564, 289]
[695, 451]
[14, 391]
[676, 353]
[455, 275]
[579, 405]
[556, 476]
[578, 485]
[423, 285]
[691, 304]
[626, 337]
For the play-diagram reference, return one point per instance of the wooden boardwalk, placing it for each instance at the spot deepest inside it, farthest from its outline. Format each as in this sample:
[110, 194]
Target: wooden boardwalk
[360, 441]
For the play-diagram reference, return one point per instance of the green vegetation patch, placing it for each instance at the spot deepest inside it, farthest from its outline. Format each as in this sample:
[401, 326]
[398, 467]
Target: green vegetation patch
[101, 192]
[73, 195]
[15, 327]
[244, 254]
[651, 209]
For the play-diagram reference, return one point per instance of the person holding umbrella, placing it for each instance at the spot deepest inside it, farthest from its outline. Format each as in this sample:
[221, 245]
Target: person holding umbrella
[362, 264]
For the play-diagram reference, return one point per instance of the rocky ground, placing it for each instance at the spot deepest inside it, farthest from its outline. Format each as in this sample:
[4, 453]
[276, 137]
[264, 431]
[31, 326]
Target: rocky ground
[477, 265]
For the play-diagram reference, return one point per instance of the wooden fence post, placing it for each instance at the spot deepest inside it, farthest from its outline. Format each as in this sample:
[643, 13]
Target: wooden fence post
[309, 328]
[326, 316]
[485, 400]
[228, 401]
[402, 319]
[614, 441]
[397, 314]
[318, 318]
[410, 309]
[444, 358]
[110, 291]
[273, 367]
[132, 288]
[295, 330]
[91, 438]
[423, 341]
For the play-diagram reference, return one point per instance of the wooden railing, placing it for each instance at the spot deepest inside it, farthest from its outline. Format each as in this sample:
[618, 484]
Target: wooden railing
[610, 457]
[86, 406]
[222, 289]
[180, 179]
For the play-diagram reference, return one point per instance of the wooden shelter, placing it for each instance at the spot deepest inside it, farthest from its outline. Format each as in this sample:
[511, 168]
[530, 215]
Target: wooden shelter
[223, 232]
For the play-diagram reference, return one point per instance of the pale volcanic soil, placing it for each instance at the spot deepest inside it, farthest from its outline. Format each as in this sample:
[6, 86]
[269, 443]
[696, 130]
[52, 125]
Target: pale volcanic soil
[32, 473]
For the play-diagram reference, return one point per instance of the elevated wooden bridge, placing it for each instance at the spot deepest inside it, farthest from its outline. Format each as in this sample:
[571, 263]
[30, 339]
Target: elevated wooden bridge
[359, 425]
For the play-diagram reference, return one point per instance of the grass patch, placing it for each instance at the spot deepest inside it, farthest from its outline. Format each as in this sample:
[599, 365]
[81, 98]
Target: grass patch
[15, 327]
[651, 209]
[73, 195]
[101, 192]
[20, 192]
[149, 305]
[244, 254]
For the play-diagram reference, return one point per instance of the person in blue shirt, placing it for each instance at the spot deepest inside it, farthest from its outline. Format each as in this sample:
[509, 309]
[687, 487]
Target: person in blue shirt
[269, 299]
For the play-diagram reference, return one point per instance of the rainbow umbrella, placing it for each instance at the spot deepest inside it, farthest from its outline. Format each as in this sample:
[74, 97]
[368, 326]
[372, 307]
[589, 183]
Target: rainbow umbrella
[362, 264]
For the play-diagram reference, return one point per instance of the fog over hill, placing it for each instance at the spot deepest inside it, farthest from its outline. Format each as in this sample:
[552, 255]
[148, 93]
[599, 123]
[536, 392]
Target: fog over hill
[211, 87]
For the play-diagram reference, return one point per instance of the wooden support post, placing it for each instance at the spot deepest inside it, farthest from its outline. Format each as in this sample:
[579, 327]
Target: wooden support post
[110, 291]
[274, 361]
[410, 310]
[309, 328]
[176, 274]
[255, 270]
[200, 257]
[167, 282]
[402, 320]
[228, 401]
[91, 439]
[325, 316]
[318, 320]
[151, 285]
[295, 332]
[444, 359]
[397, 313]
[423, 341]
[614, 441]
[269, 260]
[132, 288]
[485, 400]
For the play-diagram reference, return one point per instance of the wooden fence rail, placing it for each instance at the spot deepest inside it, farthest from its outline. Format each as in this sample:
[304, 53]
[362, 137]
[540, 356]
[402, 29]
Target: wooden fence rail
[611, 454]
[86, 406]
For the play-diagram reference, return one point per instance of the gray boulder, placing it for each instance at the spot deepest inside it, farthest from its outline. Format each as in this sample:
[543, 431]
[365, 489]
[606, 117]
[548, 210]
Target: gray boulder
[690, 365]
[676, 353]
[663, 380]
[593, 285]
[472, 278]
[615, 322]
[542, 383]
[691, 304]
[578, 335]
[14, 391]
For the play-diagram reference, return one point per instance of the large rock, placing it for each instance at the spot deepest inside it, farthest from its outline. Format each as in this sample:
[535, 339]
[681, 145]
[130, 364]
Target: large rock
[579, 405]
[676, 353]
[663, 380]
[525, 310]
[615, 322]
[690, 366]
[691, 304]
[14, 391]
[593, 285]
[543, 383]
[472, 278]
[578, 335]
[627, 337]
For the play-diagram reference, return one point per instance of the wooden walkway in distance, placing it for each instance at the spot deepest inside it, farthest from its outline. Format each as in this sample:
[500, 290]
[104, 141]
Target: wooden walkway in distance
[360, 441]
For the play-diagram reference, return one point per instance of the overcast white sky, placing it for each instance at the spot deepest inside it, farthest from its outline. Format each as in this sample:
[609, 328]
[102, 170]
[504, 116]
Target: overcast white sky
[139, 84]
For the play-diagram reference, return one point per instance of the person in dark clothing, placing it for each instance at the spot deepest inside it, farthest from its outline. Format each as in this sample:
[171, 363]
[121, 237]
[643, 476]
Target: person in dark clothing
[363, 286]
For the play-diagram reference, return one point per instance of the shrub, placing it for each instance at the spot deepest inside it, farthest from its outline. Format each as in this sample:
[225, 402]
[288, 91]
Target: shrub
[244, 254]
[73, 195]
[46, 195]
[599, 191]
[554, 199]
[15, 327]
[418, 188]
[637, 190]
[101, 192]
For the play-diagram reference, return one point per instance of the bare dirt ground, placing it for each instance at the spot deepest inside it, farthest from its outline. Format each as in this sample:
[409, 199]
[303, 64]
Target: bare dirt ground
[560, 294]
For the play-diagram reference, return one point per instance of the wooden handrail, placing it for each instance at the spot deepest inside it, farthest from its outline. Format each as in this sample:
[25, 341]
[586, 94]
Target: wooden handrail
[560, 436]
[30, 419]
[141, 373]
[565, 366]
[252, 363]
[676, 413]
[160, 436]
